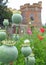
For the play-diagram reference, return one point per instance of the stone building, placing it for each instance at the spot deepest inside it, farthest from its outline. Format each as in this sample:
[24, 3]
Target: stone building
[31, 17]
[32, 14]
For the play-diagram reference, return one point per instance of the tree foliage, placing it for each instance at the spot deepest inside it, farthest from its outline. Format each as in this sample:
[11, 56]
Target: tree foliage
[3, 3]
[5, 13]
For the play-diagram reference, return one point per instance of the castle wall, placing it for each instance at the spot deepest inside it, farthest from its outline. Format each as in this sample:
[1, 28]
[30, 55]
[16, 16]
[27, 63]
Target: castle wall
[32, 13]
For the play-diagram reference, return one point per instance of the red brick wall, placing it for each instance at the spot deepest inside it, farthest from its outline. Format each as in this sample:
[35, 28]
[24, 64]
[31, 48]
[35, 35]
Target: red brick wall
[34, 9]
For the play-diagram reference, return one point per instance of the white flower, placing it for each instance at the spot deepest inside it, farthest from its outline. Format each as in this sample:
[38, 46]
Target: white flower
[33, 47]
[21, 31]
[26, 41]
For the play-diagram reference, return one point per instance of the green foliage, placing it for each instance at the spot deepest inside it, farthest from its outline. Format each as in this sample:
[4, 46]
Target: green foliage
[44, 26]
[5, 13]
[38, 47]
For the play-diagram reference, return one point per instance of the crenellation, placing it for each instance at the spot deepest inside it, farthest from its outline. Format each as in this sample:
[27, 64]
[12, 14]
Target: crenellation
[38, 5]
[31, 11]
[28, 4]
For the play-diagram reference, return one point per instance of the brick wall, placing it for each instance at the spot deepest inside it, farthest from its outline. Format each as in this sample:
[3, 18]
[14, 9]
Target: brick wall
[33, 11]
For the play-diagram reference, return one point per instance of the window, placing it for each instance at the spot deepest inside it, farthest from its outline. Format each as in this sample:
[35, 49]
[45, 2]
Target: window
[32, 17]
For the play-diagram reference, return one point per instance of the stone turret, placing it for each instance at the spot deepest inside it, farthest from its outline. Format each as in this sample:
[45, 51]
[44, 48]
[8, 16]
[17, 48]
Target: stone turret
[32, 13]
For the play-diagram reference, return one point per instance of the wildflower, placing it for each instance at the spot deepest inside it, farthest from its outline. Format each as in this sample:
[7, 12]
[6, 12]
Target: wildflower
[40, 37]
[42, 30]
[21, 31]
[29, 31]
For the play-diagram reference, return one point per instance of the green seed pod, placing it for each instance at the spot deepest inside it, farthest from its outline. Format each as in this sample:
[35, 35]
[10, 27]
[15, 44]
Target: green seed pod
[26, 51]
[15, 37]
[30, 61]
[2, 35]
[5, 22]
[8, 53]
[16, 18]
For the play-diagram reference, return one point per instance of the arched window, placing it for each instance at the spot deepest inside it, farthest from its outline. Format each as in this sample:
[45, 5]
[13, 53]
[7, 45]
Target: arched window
[32, 17]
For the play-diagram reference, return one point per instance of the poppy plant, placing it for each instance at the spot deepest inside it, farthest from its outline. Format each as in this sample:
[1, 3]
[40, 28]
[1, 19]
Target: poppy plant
[42, 30]
[40, 37]
[29, 31]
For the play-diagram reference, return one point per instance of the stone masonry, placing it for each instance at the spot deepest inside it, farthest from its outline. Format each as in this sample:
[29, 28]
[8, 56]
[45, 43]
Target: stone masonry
[32, 13]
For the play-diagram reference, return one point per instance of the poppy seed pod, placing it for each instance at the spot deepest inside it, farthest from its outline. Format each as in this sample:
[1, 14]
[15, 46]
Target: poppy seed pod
[8, 53]
[16, 18]
[30, 61]
[26, 50]
[2, 35]
[15, 37]
[5, 22]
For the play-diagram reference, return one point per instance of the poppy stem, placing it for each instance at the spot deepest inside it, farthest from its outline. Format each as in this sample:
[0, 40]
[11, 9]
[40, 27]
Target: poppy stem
[27, 60]
[40, 41]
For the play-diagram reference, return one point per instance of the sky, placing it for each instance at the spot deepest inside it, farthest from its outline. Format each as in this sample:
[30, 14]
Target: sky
[17, 3]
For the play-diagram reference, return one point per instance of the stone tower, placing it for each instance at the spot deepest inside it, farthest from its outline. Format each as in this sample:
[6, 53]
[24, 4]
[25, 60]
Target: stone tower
[32, 13]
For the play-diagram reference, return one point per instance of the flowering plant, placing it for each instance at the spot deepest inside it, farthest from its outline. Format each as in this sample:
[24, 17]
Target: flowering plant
[29, 31]
[42, 30]
[40, 37]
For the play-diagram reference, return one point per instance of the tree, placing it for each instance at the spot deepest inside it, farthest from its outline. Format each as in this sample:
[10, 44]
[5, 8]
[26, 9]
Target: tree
[3, 3]
[5, 13]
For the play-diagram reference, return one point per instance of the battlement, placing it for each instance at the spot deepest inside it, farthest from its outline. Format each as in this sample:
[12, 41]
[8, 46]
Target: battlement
[32, 12]
[38, 5]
